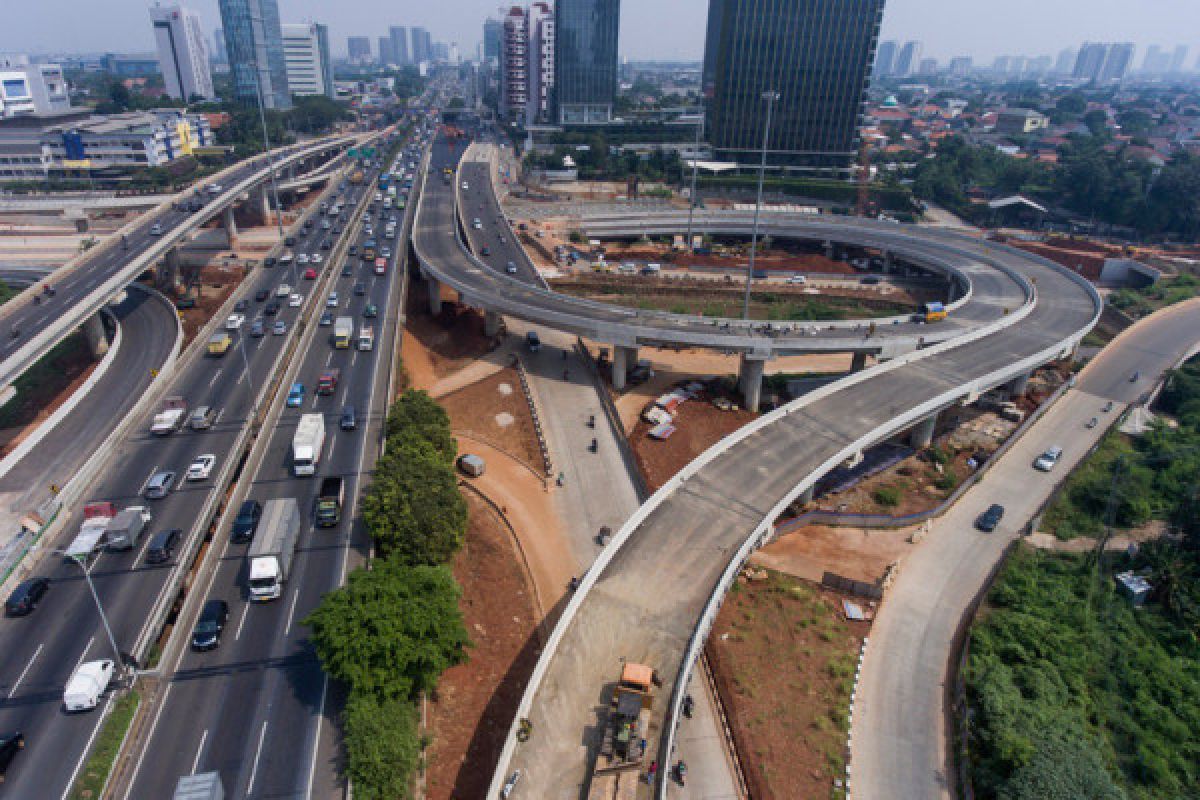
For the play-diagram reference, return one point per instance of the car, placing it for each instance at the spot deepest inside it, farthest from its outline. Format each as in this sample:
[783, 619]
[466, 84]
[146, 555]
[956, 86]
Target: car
[156, 230]
[871, 280]
[349, 420]
[385, 252]
[487, 251]
[510, 268]
[353, 250]
[162, 546]
[302, 258]
[290, 241]
[261, 295]
[370, 310]
[502, 239]
[159, 485]
[347, 270]
[360, 288]
[797, 280]
[240, 306]
[295, 397]
[245, 524]
[1046, 461]
[1107, 407]
[464, 186]
[271, 308]
[533, 341]
[296, 300]
[279, 328]
[332, 300]
[10, 745]
[317, 258]
[989, 519]
[476, 224]
[234, 321]
[326, 244]
[215, 188]
[283, 290]
[270, 261]
[310, 274]
[201, 418]
[326, 319]
[258, 327]
[26, 596]
[201, 467]
[209, 625]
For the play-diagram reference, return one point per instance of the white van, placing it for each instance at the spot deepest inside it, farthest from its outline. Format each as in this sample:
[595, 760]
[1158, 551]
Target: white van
[87, 685]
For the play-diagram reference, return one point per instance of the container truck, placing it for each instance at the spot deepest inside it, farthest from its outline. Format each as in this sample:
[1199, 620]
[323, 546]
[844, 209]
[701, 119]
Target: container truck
[125, 530]
[307, 444]
[170, 419]
[343, 329]
[329, 502]
[270, 555]
[90, 538]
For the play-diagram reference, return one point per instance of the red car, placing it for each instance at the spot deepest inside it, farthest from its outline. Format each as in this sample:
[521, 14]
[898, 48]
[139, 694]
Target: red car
[310, 274]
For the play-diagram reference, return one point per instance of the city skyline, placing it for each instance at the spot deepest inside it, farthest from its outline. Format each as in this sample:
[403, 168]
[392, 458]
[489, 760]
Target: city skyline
[650, 30]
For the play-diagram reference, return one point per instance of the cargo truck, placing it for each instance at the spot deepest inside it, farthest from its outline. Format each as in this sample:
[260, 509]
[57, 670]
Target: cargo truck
[200, 786]
[343, 329]
[328, 381]
[270, 555]
[307, 444]
[617, 771]
[90, 538]
[125, 530]
[329, 502]
[171, 418]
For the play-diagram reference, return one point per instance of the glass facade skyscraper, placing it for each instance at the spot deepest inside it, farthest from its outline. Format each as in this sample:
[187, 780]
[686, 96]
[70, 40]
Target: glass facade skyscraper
[255, 45]
[816, 54]
[585, 60]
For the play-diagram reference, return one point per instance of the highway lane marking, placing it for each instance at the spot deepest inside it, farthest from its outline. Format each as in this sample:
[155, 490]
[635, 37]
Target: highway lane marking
[21, 677]
[150, 735]
[216, 376]
[332, 444]
[312, 764]
[199, 750]
[146, 482]
[245, 610]
[353, 358]
[329, 358]
[291, 612]
[142, 553]
[182, 480]
[257, 755]
[83, 655]
[87, 748]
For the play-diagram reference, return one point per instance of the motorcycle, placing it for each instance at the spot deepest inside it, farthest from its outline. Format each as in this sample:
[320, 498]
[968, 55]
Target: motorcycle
[593, 447]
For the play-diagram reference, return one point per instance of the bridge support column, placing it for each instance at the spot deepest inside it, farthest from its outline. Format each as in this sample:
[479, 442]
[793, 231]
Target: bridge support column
[623, 358]
[1017, 386]
[858, 362]
[491, 324]
[889, 263]
[261, 204]
[229, 224]
[922, 435]
[806, 496]
[829, 249]
[435, 295]
[750, 377]
[97, 338]
[168, 273]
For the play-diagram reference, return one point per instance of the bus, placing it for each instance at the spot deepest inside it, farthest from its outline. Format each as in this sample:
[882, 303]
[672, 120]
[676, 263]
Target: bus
[933, 312]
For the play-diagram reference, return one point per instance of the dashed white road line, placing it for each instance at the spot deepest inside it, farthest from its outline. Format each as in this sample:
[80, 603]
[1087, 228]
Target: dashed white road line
[199, 750]
[257, 755]
[21, 677]
[241, 622]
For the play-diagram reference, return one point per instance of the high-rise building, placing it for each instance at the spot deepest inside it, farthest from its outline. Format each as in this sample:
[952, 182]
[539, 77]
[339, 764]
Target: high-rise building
[1156, 61]
[514, 65]
[1178, 57]
[585, 60]
[421, 45]
[1039, 65]
[306, 53]
[493, 35]
[182, 52]
[816, 55]
[960, 66]
[1017, 65]
[440, 51]
[359, 49]
[218, 54]
[541, 61]
[399, 44]
[1065, 63]
[1117, 62]
[31, 88]
[255, 46]
[908, 58]
[1001, 64]
[885, 58]
[1104, 62]
[387, 54]
[1089, 61]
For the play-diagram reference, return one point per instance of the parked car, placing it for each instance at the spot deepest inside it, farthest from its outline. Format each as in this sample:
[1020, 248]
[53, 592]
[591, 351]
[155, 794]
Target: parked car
[209, 625]
[26, 596]
[162, 546]
[159, 485]
[201, 467]
[989, 519]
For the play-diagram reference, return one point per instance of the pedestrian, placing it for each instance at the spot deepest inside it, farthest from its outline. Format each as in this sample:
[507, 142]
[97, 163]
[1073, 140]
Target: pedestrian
[653, 769]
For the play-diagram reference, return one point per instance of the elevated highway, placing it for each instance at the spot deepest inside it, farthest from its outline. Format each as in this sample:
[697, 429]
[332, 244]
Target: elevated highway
[653, 593]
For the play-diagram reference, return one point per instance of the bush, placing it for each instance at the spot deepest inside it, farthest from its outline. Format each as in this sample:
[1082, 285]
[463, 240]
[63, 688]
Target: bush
[416, 415]
[887, 496]
[383, 749]
[413, 508]
[947, 481]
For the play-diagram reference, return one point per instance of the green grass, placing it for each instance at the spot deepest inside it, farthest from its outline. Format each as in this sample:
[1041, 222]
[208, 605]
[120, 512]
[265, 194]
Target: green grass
[1168, 291]
[40, 383]
[108, 743]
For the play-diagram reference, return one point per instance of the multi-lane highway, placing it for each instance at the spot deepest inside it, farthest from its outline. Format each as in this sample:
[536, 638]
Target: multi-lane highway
[38, 653]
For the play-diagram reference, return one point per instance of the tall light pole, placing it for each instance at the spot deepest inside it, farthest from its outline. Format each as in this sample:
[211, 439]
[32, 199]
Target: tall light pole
[96, 597]
[770, 97]
[695, 168]
[262, 116]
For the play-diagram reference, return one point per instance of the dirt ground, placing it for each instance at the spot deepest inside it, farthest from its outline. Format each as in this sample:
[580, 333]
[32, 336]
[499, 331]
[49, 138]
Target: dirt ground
[434, 348]
[217, 283]
[861, 554]
[475, 702]
[783, 657]
[494, 410]
[699, 424]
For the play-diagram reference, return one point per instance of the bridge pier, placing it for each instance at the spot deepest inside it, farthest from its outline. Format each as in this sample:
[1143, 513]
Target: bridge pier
[889, 262]
[750, 376]
[260, 203]
[623, 358]
[168, 273]
[806, 496]
[435, 295]
[1017, 386]
[858, 362]
[97, 337]
[922, 435]
[491, 324]
[229, 224]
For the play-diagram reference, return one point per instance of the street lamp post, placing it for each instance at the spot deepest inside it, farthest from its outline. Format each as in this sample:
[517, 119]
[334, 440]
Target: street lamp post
[262, 116]
[695, 168]
[96, 597]
[770, 97]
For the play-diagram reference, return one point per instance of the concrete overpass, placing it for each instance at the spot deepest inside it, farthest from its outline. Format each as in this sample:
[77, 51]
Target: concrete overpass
[653, 593]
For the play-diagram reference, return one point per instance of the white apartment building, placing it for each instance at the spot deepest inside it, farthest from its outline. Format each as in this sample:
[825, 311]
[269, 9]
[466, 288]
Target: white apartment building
[541, 61]
[306, 56]
[31, 88]
[182, 52]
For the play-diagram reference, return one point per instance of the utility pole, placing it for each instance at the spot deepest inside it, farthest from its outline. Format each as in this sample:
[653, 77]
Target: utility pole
[770, 97]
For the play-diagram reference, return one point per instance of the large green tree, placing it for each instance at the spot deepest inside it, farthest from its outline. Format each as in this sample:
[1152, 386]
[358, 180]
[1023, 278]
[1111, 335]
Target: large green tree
[417, 415]
[383, 748]
[413, 508]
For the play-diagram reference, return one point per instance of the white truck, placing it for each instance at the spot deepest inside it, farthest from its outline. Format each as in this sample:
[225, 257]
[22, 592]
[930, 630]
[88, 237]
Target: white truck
[274, 547]
[201, 786]
[125, 530]
[171, 418]
[366, 338]
[307, 444]
[90, 538]
[87, 685]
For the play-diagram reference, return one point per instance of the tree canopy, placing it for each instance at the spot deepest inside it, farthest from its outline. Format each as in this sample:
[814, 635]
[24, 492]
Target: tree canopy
[413, 508]
[383, 749]
[417, 415]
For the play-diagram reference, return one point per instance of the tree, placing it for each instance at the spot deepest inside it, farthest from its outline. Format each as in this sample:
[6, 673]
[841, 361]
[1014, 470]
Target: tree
[1097, 123]
[413, 508]
[1064, 766]
[391, 630]
[416, 414]
[383, 748]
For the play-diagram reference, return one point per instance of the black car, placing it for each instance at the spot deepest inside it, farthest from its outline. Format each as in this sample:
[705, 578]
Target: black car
[353, 251]
[261, 295]
[10, 745]
[290, 241]
[207, 633]
[270, 261]
[349, 418]
[360, 288]
[988, 520]
[271, 308]
[26, 596]
[240, 306]
[325, 245]
[246, 521]
[162, 546]
[347, 270]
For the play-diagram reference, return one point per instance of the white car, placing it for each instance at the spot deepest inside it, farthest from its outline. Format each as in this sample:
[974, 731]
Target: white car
[302, 258]
[157, 230]
[296, 300]
[216, 188]
[464, 185]
[1046, 461]
[201, 468]
[87, 685]
[283, 291]
[316, 258]
[797, 280]
[234, 322]
[332, 300]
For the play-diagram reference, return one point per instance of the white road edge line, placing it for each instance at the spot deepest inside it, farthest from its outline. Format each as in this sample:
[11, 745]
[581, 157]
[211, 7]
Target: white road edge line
[199, 750]
[292, 611]
[21, 677]
[245, 611]
[257, 755]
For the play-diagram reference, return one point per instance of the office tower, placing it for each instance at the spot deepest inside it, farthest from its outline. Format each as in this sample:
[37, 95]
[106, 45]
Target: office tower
[1156, 61]
[493, 35]
[1039, 65]
[255, 46]
[182, 52]
[960, 66]
[585, 60]
[908, 58]
[541, 61]
[1117, 62]
[359, 49]
[440, 51]
[421, 49]
[387, 54]
[1178, 56]
[1017, 65]
[815, 54]
[885, 58]
[306, 53]
[929, 66]
[399, 44]
[1001, 65]
[514, 64]
[218, 54]
[1065, 63]
[1089, 61]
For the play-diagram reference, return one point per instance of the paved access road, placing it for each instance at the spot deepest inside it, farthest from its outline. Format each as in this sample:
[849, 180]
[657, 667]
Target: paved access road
[900, 730]
[255, 709]
[39, 652]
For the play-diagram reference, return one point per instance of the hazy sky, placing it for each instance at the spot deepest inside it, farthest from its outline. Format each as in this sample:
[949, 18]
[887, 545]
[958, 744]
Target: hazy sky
[650, 29]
